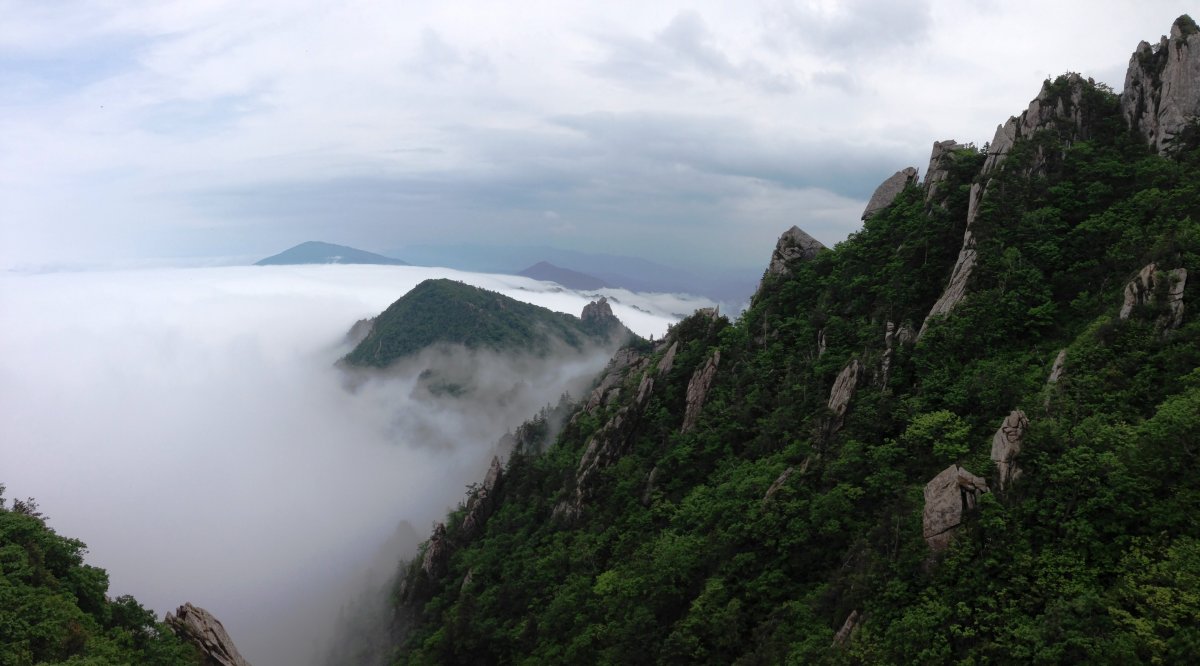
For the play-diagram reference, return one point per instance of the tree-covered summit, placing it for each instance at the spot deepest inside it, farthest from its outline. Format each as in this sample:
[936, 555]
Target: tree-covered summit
[443, 311]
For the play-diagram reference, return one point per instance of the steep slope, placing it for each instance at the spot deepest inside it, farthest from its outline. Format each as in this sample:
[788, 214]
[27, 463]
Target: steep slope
[966, 434]
[448, 312]
[55, 609]
[544, 270]
[316, 252]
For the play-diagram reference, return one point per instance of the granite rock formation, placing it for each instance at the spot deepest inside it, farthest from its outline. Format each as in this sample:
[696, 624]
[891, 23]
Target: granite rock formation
[888, 190]
[1162, 85]
[948, 498]
[1006, 444]
[200, 628]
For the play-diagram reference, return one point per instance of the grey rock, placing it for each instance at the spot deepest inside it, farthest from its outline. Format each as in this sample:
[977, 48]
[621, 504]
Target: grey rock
[777, 484]
[821, 343]
[437, 553]
[614, 372]
[1006, 444]
[1142, 288]
[793, 245]
[697, 390]
[668, 360]
[648, 490]
[1162, 85]
[934, 173]
[843, 635]
[956, 289]
[482, 502]
[1056, 370]
[843, 388]
[888, 190]
[948, 498]
[598, 312]
[1042, 113]
[200, 628]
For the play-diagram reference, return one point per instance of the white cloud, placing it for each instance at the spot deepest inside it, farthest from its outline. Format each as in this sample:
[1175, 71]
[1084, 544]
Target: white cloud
[189, 426]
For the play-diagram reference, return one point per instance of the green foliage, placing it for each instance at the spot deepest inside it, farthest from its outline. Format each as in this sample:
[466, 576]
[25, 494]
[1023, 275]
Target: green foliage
[449, 312]
[1091, 556]
[53, 607]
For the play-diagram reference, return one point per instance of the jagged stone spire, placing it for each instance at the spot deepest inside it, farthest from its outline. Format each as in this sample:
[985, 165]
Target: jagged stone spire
[1162, 84]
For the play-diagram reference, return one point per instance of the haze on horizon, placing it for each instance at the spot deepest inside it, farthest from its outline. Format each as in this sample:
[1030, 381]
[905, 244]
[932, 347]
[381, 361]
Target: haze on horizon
[690, 133]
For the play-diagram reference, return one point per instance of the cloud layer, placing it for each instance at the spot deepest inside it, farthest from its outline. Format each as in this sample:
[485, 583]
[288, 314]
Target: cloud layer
[691, 132]
[189, 426]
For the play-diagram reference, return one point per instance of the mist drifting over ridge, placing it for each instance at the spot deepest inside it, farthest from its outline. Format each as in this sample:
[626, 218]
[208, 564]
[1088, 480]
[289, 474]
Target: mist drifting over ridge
[190, 427]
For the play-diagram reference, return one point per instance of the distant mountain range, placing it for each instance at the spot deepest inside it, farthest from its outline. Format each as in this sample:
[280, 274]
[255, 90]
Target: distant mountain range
[316, 252]
[732, 286]
[544, 270]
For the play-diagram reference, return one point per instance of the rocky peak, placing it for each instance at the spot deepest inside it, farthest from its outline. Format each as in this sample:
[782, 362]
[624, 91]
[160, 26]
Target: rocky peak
[598, 312]
[793, 244]
[934, 173]
[887, 191]
[1162, 84]
[200, 628]
[1058, 105]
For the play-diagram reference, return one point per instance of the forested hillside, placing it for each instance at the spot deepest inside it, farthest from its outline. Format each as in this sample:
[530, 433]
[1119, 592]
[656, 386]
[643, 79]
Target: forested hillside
[55, 609]
[969, 433]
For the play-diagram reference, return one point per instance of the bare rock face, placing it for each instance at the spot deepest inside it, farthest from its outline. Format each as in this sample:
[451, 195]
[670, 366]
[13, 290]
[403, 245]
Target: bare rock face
[793, 244]
[1142, 288]
[843, 391]
[598, 312]
[843, 635]
[609, 387]
[777, 484]
[437, 553]
[1056, 370]
[948, 498]
[934, 173]
[482, 502]
[1162, 85]
[887, 191]
[697, 390]
[892, 338]
[1006, 444]
[956, 289]
[668, 360]
[200, 628]
[1045, 111]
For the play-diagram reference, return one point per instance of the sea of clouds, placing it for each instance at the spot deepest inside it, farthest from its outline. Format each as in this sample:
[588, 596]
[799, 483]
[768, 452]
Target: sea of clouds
[189, 425]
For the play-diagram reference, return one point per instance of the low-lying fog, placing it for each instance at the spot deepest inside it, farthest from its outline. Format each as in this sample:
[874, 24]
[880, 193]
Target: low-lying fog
[189, 426]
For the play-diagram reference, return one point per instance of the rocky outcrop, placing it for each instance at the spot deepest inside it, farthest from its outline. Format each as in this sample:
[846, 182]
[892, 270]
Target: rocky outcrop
[843, 635]
[609, 387]
[483, 501]
[892, 339]
[1143, 290]
[1052, 108]
[793, 245]
[598, 312]
[888, 190]
[200, 628]
[648, 489]
[1006, 444]
[935, 173]
[437, 553]
[697, 390]
[843, 388]
[777, 484]
[668, 360]
[1162, 85]
[821, 343]
[948, 498]
[359, 331]
[1056, 370]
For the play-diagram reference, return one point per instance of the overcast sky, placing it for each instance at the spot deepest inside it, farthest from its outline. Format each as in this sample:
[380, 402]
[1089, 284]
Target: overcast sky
[688, 132]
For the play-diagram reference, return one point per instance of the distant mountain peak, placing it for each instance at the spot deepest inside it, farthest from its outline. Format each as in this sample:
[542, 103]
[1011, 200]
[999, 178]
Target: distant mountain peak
[548, 272]
[318, 252]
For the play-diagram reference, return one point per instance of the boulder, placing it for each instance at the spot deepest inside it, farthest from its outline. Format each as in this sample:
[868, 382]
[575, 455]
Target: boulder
[697, 390]
[888, 190]
[948, 498]
[843, 388]
[200, 628]
[794, 244]
[1162, 85]
[1006, 444]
